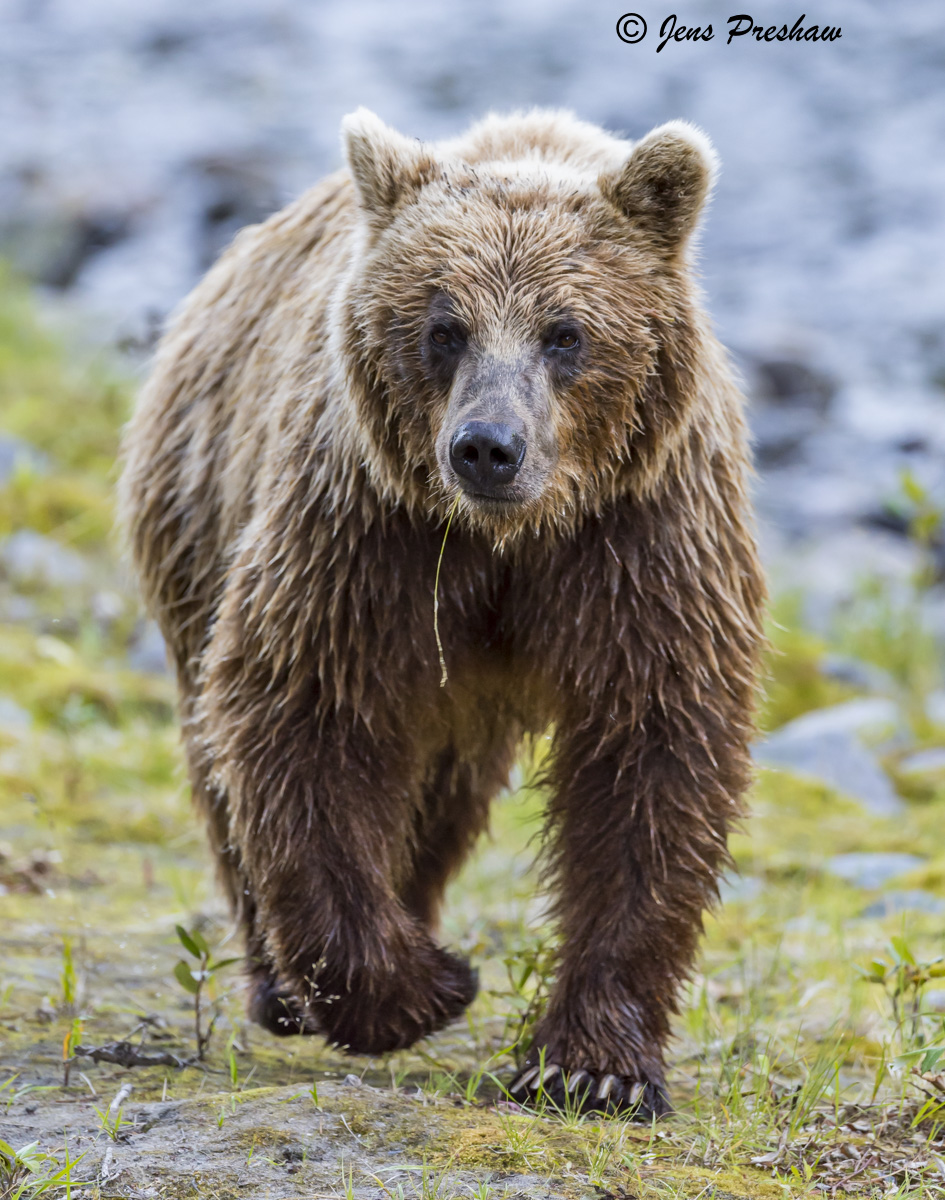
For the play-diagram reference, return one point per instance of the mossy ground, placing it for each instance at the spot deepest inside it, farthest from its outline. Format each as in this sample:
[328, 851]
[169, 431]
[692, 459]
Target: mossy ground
[781, 1066]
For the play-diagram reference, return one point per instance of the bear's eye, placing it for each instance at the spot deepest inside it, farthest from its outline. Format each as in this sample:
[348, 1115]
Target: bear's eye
[447, 337]
[564, 338]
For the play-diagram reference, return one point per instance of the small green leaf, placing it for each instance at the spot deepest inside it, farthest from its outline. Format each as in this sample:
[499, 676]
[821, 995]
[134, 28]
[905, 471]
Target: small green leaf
[909, 1058]
[912, 488]
[185, 977]
[201, 942]
[187, 941]
[931, 1059]
[223, 962]
[902, 950]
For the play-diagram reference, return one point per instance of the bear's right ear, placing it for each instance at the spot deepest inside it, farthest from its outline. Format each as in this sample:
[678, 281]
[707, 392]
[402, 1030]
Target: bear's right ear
[388, 169]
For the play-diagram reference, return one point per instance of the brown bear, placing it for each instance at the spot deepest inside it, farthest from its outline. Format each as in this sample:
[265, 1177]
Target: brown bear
[504, 329]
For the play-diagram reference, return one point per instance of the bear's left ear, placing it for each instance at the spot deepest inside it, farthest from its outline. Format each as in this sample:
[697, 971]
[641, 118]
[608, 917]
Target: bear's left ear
[663, 185]
[388, 169]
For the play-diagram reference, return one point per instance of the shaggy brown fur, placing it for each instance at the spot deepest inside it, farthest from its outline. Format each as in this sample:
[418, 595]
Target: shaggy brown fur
[287, 477]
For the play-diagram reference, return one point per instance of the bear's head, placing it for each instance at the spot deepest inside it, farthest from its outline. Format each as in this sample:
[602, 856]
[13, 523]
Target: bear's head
[518, 323]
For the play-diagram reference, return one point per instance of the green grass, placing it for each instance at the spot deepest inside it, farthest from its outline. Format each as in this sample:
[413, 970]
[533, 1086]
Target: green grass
[30, 1172]
[65, 402]
[781, 1064]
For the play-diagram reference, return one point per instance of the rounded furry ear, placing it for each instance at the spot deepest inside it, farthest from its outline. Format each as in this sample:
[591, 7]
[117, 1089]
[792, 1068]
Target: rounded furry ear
[388, 169]
[663, 185]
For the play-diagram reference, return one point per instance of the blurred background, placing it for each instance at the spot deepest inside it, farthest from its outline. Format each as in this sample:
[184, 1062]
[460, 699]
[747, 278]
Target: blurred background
[136, 138]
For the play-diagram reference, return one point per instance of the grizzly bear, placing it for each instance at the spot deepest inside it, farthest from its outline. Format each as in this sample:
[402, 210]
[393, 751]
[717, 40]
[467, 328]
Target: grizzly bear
[500, 330]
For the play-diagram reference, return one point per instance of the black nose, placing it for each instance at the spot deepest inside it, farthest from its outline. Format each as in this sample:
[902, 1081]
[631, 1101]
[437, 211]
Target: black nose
[486, 454]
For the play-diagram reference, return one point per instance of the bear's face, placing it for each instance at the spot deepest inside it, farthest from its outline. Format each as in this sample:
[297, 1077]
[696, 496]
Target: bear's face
[510, 319]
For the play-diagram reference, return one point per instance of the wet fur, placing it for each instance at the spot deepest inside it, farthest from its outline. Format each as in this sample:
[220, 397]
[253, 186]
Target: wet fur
[285, 506]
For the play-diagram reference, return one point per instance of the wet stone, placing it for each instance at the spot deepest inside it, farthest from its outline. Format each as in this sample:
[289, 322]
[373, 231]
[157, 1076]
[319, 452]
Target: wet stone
[868, 717]
[740, 887]
[840, 761]
[924, 762]
[856, 673]
[30, 557]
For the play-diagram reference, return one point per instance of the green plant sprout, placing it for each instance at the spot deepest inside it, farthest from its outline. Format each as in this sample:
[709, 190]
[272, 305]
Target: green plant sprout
[531, 977]
[925, 522]
[69, 1007]
[194, 980]
[30, 1172]
[111, 1121]
[903, 978]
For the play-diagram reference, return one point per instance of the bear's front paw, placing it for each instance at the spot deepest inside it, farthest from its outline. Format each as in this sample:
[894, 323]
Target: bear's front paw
[579, 1090]
[273, 1006]
[378, 1014]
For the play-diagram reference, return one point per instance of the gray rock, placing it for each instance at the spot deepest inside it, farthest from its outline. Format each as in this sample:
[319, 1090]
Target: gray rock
[856, 673]
[778, 434]
[148, 652]
[825, 745]
[870, 870]
[740, 887]
[13, 452]
[51, 242]
[871, 716]
[924, 761]
[231, 192]
[827, 552]
[12, 716]
[790, 401]
[793, 383]
[910, 900]
[30, 557]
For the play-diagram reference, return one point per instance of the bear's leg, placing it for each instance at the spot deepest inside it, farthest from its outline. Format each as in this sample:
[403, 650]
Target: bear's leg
[637, 831]
[270, 1004]
[323, 818]
[454, 812]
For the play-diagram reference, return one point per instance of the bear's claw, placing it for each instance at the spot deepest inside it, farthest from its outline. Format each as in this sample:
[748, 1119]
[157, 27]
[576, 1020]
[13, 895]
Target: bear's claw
[634, 1099]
